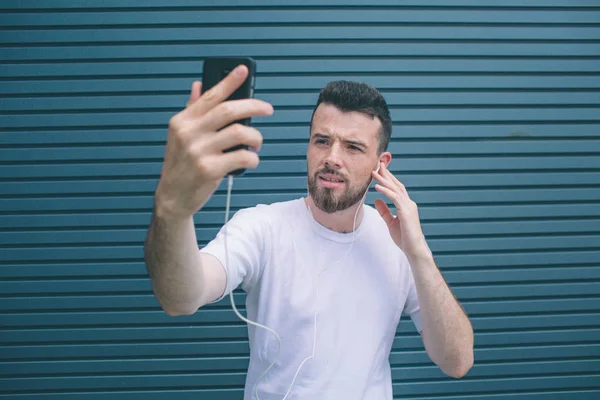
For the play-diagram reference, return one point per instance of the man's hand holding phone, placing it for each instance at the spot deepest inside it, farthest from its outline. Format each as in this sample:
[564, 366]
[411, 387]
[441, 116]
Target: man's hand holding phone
[195, 162]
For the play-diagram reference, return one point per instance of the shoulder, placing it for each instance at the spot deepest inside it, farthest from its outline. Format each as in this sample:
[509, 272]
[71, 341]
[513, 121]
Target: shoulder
[272, 213]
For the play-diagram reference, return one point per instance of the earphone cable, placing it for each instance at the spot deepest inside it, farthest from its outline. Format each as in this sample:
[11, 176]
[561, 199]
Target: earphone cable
[240, 316]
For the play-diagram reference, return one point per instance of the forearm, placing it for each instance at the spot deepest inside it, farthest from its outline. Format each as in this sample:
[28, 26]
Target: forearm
[447, 332]
[173, 262]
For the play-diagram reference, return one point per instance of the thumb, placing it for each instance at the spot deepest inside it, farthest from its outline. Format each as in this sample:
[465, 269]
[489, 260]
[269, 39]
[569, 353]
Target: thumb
[384, 211]
[194, 92]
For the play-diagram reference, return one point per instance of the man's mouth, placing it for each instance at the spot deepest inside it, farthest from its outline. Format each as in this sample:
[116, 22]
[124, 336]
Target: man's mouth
[330, 181]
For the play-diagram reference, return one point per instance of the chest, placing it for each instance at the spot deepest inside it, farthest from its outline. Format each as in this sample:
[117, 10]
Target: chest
[339, 281]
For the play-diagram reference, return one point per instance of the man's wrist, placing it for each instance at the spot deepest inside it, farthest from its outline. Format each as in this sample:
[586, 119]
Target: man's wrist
[421, 254]
[166, 211]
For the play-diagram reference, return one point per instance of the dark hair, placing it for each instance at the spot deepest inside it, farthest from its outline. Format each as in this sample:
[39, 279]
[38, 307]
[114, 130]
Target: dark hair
[356, 96]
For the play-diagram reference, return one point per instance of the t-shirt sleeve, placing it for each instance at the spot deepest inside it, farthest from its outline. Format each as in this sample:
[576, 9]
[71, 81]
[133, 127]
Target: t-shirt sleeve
[239, 246]
[411, 306]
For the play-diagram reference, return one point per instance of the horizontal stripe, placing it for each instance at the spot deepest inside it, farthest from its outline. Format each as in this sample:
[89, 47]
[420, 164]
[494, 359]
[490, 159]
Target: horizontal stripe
[37, 137]
[437, 115]
[333, 15]
[512, 260]
[234, 394]
[285, 148]
[177, 380]
[87, 336]
[576, 382]
[28, 306]
[431, 230]
[115, 350]
[436, 200]
[295, 33]
[224, 316]
[91, 5]
[339, 49]
[226, 365]
[144, 286]
[51, 219]
[262, 183]
[408, 165]
[391, 81]
[397, 100]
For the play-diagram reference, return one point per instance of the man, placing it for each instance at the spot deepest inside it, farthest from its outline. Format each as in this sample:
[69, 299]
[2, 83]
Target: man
[329, 274]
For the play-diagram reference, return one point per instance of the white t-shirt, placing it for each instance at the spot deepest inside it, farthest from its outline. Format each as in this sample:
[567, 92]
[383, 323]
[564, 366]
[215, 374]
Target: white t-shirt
[276, 253]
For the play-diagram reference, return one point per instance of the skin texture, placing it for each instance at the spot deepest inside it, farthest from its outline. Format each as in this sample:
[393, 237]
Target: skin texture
[343, 146]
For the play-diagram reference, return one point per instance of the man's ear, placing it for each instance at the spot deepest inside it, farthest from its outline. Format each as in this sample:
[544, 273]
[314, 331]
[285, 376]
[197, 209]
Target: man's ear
[385, 158]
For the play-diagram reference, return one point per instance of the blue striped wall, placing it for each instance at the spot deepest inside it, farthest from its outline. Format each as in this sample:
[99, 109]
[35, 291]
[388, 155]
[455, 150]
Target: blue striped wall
[496, 109]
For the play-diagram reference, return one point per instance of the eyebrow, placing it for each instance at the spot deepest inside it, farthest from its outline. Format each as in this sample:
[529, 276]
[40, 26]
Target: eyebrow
[349, 141]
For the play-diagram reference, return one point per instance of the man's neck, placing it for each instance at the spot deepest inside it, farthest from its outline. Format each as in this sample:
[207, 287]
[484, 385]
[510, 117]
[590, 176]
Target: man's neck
[340, 221]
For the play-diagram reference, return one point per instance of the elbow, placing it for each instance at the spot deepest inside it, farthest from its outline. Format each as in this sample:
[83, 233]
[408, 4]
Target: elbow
[459, 371]
[174, 309]
[178, 310]
[461, 367]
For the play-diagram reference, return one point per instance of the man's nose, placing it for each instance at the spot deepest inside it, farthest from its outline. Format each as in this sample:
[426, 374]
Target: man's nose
[333, 159]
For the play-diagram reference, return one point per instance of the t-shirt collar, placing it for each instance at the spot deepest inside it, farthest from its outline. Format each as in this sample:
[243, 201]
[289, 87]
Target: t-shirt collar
[328, 233]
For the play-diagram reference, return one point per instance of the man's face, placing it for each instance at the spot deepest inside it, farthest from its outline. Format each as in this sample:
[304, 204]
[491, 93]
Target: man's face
[342, 152]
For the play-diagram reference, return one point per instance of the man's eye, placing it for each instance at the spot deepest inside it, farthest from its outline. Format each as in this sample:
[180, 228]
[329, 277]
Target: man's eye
[355, 148]
[321, 141]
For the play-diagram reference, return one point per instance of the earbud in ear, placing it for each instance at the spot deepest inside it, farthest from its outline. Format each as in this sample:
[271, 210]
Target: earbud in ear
[378, 166]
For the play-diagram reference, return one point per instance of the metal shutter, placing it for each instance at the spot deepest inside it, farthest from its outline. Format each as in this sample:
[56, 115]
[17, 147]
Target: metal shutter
[497, 137]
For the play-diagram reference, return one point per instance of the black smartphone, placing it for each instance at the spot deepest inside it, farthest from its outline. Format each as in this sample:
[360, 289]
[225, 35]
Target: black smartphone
[217, 68]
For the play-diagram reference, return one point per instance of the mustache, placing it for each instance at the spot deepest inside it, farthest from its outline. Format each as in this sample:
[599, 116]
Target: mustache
[327, 170]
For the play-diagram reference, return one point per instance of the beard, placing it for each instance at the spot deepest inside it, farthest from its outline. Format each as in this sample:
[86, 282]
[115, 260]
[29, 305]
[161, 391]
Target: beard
[327, 200]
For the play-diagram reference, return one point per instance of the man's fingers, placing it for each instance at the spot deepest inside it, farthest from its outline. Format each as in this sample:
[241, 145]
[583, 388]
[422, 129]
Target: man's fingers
[392, 179]
[194, 92]
[236, 134]
[390, 194]
[384, 211]
[234, 110]
[237, 159]
[385, 179]
[394, 189]
[221, 91]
